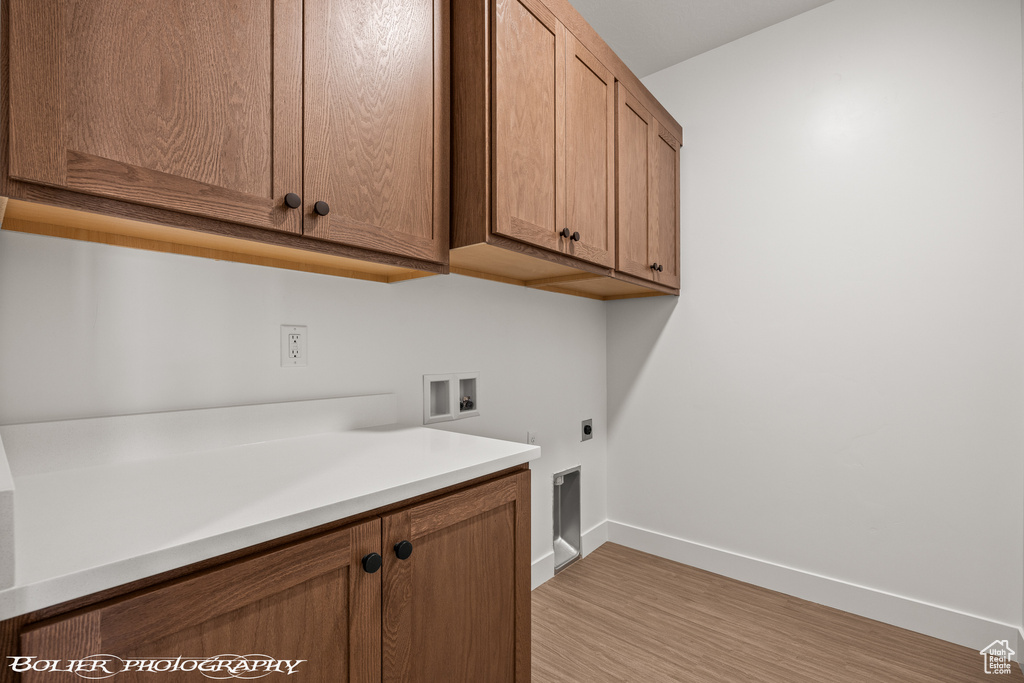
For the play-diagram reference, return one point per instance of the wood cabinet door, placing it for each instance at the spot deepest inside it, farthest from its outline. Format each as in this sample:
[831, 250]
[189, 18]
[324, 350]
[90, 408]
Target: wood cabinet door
[194, 107]
[458, 609]
[634, 177]
[665, 238]
[529, 123]
[376, 124]
[310, 601]
[589, 155]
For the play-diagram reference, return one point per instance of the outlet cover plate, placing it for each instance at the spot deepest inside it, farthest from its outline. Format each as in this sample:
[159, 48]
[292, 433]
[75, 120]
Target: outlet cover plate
[294, 340]
[587, 430]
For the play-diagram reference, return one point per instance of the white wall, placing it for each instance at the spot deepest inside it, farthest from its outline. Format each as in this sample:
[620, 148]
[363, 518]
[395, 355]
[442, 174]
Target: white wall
[838, 390]
[91, 330]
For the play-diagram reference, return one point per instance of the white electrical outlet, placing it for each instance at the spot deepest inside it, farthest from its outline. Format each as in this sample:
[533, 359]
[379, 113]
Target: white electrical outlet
[531, 438]
[293, 346]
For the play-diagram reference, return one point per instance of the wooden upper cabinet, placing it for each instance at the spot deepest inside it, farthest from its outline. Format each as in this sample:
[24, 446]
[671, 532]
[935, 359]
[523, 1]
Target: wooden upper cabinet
[536, 184]
[307, 601]
[458, 607]
[376, 124]
[634, 179]
[647, 182]
[665, 239]
[529, 123]
[195, 107]
[590, 156]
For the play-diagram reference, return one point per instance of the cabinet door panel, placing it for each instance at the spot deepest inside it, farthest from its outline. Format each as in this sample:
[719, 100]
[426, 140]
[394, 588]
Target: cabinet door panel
[376, 124]
[529, 123]
[308, 601]
[459, 608]
[191, 107]
[634, 182]
[666, 224]
[590, 155]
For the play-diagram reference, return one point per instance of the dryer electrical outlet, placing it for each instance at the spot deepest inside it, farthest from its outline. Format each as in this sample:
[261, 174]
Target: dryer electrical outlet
[293, 346]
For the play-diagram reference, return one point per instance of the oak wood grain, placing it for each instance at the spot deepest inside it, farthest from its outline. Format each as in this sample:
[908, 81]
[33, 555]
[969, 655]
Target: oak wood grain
[376, 122]
[589, 155]
[523, 567]
[184, 106]
[665, 237]
[534, 144]
[623, 615]
[635, 132]
[454, 610]
[364, 617]
[529, 123]
[585, 33]
[471, 122]
[35, 112]
[307, 600]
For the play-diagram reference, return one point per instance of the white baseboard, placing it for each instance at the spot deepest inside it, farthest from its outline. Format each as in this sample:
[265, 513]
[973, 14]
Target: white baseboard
[543, 568]
[932, 620]
[595, 537]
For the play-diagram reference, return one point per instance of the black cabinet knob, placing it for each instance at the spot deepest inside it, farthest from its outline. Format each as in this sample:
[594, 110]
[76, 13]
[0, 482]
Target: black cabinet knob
[660, 267]
[565, 233]
[371, 563]
[654, 266]
[321, 208]
[292, 200]
[403, 549]
[575, 237]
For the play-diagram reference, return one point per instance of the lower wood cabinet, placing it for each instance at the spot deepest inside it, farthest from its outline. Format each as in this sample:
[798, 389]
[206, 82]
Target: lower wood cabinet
[455, 609]
[436, 591]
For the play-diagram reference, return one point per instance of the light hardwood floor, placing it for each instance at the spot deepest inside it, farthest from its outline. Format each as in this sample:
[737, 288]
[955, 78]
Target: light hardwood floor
[623, 615]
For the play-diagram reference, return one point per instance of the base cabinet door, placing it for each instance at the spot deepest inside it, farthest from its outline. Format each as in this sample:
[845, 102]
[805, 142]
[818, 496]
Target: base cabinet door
[308, 601]
[456, 604]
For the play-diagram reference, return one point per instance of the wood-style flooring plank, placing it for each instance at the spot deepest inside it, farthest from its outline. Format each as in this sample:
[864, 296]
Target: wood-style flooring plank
[624, 615]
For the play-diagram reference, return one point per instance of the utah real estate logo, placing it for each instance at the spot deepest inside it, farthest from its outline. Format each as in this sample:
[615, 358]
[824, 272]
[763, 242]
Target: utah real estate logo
[997, 657]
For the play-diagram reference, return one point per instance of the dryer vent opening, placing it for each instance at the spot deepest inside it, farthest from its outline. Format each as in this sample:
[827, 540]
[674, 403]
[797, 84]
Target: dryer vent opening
[567, 518]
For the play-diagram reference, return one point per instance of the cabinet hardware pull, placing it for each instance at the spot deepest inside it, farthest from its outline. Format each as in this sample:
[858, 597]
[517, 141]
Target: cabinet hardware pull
[371, 563]
[403, 549]
[321, 208]
[660, 267]
[292, 200]
[575, 237]
[565, 232]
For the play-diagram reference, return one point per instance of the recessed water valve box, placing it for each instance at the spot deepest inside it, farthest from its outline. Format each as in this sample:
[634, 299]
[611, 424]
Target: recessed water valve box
[450, 397]
[469, 398]
[437, 399]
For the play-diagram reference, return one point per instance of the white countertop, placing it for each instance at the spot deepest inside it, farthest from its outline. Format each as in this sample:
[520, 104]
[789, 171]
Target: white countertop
[81, 530]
